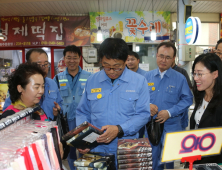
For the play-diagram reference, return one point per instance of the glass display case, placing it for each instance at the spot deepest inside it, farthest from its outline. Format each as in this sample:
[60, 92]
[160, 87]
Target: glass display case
[147, 53]
[9, 60]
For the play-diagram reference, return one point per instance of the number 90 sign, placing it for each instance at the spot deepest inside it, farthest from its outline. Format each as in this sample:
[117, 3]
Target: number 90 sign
[197, 143]
[191, 143]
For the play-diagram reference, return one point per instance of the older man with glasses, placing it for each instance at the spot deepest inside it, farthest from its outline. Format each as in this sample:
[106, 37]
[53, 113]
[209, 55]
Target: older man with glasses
[116, 99]
[218, 48]
[51, 101]
[170, 97]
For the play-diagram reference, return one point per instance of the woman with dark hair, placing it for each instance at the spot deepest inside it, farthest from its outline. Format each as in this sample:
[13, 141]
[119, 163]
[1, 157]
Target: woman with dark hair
[207, 90]
[26, 87]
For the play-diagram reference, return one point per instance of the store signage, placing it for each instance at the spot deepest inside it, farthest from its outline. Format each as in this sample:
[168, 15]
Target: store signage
[191, 143]
[130, 26]
[45, 31]
[192, 30]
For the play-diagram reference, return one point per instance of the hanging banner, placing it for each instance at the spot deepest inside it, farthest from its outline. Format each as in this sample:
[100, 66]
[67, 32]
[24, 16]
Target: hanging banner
[130, 26]
[45, 31]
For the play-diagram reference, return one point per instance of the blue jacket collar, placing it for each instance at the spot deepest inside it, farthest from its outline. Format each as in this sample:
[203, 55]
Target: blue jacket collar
[168, 72]
[46, 80]
[67, 73]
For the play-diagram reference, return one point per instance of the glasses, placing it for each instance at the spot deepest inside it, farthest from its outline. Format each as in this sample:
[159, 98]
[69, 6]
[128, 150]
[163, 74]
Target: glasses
[47, 65]
[114, 69]
[162, 57]
[198, 75]
[217, 52]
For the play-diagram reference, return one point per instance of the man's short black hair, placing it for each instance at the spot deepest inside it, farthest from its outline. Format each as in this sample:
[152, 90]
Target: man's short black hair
[218, 42]
[168, 44]
[73, 49]
[134, 54]
[114, 48]
[38, 50]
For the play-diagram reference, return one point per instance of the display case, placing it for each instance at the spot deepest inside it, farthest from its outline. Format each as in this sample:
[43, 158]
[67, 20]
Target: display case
[147, 54]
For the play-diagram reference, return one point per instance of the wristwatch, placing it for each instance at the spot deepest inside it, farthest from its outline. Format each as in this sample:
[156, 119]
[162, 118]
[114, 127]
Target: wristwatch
[120, 131]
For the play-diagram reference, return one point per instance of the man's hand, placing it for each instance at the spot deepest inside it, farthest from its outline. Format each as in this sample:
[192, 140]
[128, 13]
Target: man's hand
[56, 109]
[162, 116]
[109, 135]
[83, 151]
[153, 109]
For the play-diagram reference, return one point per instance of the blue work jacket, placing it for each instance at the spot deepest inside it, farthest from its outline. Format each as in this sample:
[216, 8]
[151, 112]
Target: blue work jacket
[141, 71]
[71, 90]
[170, 93]
[124, 103]
[51, 94]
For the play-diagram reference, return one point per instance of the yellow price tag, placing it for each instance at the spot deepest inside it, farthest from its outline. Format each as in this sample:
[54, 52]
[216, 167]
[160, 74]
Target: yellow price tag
[99, 96]
[96, 90]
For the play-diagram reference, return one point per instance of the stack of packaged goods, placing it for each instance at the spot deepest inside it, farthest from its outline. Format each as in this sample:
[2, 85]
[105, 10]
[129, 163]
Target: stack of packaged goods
[134, 154]
[83, 136]
[96, 161]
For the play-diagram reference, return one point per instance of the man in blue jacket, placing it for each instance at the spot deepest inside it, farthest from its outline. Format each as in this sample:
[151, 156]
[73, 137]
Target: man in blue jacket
[133, 61]
[115, 99]
[51, 101]
[170, 96]
[71, 83]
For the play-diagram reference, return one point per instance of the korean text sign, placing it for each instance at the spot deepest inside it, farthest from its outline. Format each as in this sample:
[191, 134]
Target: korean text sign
[130, 26]
[190, 143]
[45, 31]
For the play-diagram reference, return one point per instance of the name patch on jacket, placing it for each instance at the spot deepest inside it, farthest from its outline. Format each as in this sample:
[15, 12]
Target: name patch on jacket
[96, 90]
[130, 91]
[63, 84]
[150, 84]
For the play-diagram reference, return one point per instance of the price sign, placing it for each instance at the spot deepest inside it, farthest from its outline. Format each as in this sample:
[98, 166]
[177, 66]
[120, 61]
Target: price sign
[190, 143]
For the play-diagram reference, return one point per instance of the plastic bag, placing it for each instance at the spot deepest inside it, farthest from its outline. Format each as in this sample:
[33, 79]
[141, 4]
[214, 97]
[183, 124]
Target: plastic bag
[154, 131]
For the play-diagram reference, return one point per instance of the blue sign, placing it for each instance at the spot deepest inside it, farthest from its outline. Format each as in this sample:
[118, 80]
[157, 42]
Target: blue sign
[192, 30]
[188, 30]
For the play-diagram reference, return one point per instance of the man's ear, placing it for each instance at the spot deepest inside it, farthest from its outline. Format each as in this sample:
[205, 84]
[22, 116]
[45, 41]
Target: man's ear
[19, 88]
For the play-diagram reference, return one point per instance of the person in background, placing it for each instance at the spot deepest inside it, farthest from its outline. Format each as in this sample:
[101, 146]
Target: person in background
[26, 87]
[51, 101]
[218, 48]
[132, 63]
[185, 117]
[207, 90]
[116, 99]
[71, 83]
[170, 97]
